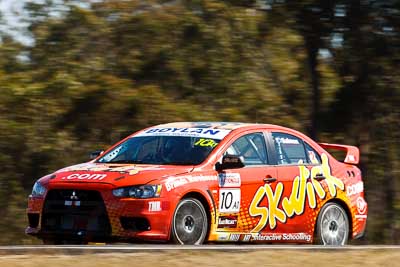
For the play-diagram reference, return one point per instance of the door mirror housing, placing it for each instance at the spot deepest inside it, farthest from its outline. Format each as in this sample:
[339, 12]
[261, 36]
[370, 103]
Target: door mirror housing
[95, 154]
[229, 162]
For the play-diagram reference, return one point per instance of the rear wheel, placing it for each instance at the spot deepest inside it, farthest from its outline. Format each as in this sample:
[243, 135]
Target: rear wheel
[332, 226]
[189, 224]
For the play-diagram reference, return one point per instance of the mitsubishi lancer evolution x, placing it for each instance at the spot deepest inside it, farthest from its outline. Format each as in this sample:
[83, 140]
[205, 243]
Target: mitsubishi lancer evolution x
[197, 182]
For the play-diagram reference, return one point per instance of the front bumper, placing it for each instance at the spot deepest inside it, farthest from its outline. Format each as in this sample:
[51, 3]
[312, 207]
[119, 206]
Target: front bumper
[127, 218]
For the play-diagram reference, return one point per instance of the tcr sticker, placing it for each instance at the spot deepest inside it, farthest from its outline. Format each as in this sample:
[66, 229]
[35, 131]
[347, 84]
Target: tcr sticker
[229, 200]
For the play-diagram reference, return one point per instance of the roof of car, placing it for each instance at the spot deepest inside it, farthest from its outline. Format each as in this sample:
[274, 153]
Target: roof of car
[215, 125]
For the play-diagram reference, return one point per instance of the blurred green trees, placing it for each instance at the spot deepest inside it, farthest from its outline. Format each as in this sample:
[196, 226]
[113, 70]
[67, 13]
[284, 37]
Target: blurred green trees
[96, 73]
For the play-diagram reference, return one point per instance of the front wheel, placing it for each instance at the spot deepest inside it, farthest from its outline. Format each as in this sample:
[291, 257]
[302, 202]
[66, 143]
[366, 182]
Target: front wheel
[189, 224]
[332, 226]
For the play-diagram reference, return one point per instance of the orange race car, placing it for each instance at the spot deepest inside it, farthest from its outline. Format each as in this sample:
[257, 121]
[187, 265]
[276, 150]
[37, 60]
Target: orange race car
[192, 182]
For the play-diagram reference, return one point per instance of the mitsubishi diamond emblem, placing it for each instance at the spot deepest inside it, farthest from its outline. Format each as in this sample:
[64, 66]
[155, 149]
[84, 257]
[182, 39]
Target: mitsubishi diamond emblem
[74, 196]
[74, 200]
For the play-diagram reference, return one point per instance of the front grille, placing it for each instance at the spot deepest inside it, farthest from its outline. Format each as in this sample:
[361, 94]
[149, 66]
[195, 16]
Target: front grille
[80, 213]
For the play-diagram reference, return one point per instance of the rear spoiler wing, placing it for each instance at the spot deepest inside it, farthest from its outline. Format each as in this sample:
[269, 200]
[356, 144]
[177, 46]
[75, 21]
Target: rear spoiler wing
[352, 152]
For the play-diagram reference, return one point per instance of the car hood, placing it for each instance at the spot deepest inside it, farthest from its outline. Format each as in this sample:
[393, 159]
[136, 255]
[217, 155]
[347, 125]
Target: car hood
[116, 174]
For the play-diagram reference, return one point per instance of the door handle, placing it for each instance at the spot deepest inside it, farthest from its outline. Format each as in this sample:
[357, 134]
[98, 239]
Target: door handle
[319, 177]
[269, 180]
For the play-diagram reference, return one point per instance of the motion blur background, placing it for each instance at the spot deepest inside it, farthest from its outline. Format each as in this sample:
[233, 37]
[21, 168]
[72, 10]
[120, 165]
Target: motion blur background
[77, 76]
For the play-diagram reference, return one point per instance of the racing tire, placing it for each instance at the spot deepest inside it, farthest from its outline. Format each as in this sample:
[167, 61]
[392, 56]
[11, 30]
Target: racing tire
[332, 228]
[189, 223]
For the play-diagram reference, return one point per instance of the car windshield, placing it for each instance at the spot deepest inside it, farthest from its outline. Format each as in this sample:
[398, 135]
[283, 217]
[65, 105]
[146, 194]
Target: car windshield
[165, 150]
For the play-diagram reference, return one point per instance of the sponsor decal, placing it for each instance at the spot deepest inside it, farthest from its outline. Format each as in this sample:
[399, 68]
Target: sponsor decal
[247, 237]
[229, 180]
[360, 216]
[270, 237]
[280, 237]
[355, 189]
[287, 141]
[234, 237]
[263, 237]
[154, 206]
[280, 209]
[85, 176]
[227, 222]
[175, 182]
[127, 169]
[223, 236]
[361, 205]
[191, 132]
[297, 237]
[229, 200]
[104, 168]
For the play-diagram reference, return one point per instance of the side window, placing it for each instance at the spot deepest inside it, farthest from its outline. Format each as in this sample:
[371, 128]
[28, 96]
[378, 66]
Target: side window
[313, 156]
[251, 147]
[289, 149]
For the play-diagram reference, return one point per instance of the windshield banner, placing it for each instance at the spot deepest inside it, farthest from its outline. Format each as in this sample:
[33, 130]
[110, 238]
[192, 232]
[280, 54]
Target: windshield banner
[191, 132]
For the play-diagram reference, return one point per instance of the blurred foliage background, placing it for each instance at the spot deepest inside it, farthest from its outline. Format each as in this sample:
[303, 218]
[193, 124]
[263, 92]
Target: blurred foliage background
[96, 71]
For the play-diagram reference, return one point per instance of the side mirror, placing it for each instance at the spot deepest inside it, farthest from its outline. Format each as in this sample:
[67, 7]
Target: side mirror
[229, 162]
[95, 154]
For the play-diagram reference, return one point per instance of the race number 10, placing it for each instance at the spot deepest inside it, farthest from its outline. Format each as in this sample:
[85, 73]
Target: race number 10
[229, 200]
[206, 142]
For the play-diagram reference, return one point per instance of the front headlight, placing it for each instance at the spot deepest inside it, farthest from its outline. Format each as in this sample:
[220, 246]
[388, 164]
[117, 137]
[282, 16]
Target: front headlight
[38, 190]
[140, 191]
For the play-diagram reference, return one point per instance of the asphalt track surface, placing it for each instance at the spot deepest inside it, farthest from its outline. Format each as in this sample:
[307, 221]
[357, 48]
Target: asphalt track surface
[143, 248]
